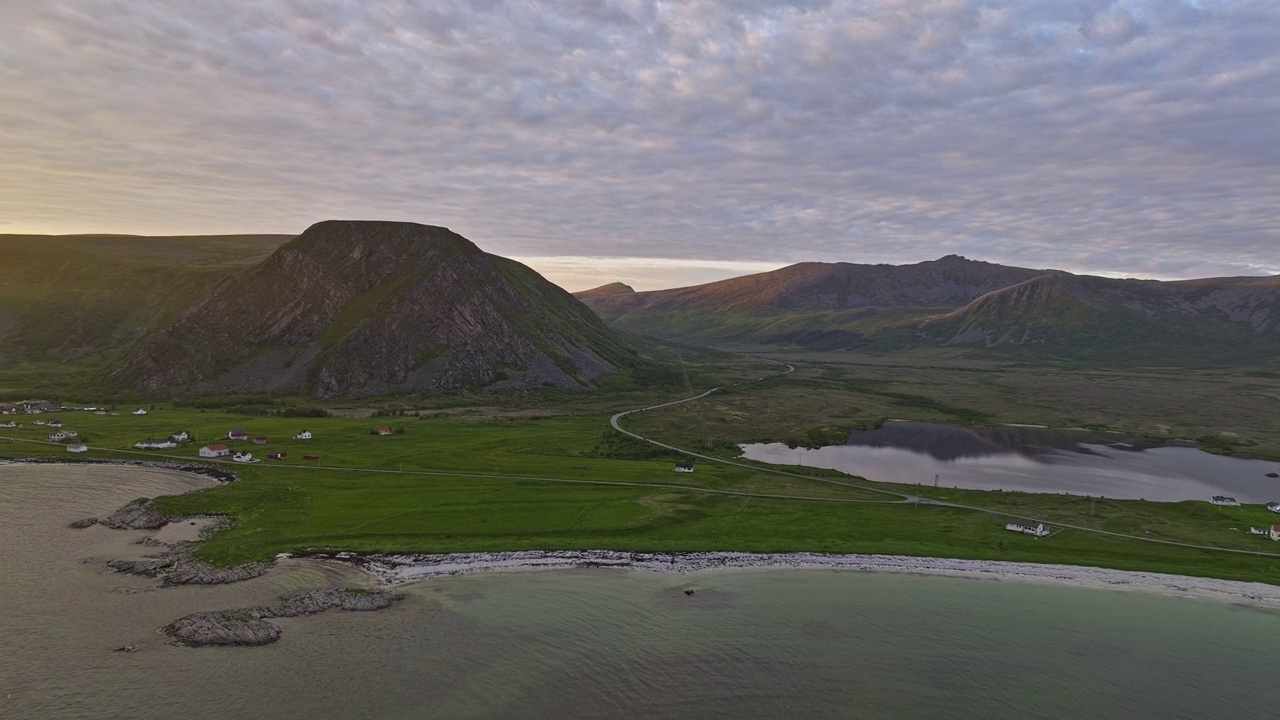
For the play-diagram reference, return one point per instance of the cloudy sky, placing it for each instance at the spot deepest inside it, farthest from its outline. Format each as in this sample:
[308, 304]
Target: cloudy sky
[663, 143]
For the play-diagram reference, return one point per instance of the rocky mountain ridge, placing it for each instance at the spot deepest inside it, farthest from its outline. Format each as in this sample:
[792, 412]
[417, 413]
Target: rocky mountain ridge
[958, 302]
[374, 308]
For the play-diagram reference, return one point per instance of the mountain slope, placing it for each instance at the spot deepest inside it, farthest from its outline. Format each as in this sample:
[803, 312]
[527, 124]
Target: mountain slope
[375, 308]
[958, 302]
[72, 299]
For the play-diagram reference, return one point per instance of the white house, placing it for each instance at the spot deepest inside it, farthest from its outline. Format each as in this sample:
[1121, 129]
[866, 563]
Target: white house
[8, 424]
[77, 448]
[155, 444]
[1224, 500]
[62, 435]
[684, 466]
[216, 450]
[303, 435]
[243, 457]
[1274, 507]
[1275, 532]
[139, 411]
[238, 434]
[1039, 529]
[180, 436]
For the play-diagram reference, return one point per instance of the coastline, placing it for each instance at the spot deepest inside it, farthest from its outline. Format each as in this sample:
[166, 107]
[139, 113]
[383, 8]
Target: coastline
[403, 569]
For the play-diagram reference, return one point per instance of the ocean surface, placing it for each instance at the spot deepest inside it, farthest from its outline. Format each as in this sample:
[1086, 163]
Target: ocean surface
[598, 643]
[1031, 459]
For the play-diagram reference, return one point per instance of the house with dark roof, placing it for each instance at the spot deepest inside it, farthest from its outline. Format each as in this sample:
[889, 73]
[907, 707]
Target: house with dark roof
[1224, 500]
[237, 434]
[683, 466]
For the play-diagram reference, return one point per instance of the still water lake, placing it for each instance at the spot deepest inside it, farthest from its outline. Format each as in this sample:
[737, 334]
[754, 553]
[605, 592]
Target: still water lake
[1079, 462]
[761, 643]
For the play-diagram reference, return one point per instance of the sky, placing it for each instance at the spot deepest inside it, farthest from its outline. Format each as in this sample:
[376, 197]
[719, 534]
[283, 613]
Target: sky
[663, 143]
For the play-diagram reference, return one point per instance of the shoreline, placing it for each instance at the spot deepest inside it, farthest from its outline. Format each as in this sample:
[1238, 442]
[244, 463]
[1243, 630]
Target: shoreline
[396, 570]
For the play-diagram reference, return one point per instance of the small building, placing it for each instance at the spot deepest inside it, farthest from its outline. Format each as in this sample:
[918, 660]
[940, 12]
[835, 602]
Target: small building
[310, 457]
[237, 434]
[52, 422]
[1255, 530]
[275, 456]
[8, 424]
[303, 435]
[243, 457]
[382, 430]
[260, 440]
[1273, 507]
[139, 411]
[1224, 500]
[215, 451]
[684, 466]
[1275, 532]
[180, 436]
[63, 435]
[77, 448]
[1038, 530]
[155, 444]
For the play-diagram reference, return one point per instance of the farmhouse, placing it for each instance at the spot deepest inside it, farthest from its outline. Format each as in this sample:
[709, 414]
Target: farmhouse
[52, 422]
[62, 435]
[303, 435]
[77, 448]
[8, 424]
[215, 451]
[275, 456]
[1224, 500]
[382, 430]
[684, 466]
[180, 436]
[1038, 530]
[1275, 532]
[155, 444]
[243, 457]
[139, 411]
[237, 434]
[1273, 507]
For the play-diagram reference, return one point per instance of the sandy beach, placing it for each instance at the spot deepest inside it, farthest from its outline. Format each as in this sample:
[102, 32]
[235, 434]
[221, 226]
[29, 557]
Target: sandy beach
[400, 569]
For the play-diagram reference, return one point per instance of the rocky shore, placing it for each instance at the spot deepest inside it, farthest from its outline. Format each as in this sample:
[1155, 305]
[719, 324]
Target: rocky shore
[397, 569]
[221, 475]
[251, 626]
[176, 567]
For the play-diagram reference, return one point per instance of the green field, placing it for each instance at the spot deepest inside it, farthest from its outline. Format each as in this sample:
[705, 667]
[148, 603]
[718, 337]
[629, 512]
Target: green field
[493, 480]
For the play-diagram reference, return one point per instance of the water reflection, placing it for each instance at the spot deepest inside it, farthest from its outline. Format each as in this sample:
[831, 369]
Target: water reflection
[1031, 459]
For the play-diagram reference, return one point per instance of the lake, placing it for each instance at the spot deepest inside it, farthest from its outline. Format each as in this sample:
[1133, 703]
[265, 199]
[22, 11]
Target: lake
[759, 643]
[1030, 459]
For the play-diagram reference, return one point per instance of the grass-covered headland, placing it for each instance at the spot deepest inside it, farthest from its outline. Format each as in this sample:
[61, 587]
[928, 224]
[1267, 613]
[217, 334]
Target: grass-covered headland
[510, 481]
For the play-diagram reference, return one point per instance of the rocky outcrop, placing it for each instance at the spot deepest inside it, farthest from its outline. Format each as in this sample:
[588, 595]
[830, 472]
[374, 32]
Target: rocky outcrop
[250, 626]
[377, 308]
[141, 514]
[83, 523]
[177, 567]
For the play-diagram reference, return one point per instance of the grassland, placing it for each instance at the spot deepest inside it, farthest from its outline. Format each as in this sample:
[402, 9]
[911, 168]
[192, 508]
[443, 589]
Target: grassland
[485, 479]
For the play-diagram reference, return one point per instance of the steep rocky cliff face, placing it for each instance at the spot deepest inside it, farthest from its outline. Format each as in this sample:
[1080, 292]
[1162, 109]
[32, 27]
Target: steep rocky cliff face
[375, 308]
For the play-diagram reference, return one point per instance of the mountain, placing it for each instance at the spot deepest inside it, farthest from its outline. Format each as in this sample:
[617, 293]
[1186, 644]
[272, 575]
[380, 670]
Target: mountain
[376, 308]
[67, 301]
[955, 302]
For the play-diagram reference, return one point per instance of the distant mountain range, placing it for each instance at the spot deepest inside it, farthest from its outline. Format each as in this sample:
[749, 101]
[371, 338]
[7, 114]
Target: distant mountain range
[967, 304]
[376, 308]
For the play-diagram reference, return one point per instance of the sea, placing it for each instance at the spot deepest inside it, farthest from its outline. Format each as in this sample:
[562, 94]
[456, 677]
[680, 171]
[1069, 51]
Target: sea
[596, 643]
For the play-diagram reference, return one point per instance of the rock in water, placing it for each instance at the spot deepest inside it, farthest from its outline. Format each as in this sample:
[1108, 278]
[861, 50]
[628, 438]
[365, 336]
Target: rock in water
[227, 627]
[249, 626]
[137, 515]
[83, 523]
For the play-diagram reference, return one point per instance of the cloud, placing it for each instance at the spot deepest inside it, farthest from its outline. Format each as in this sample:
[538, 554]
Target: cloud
[1128, 137]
